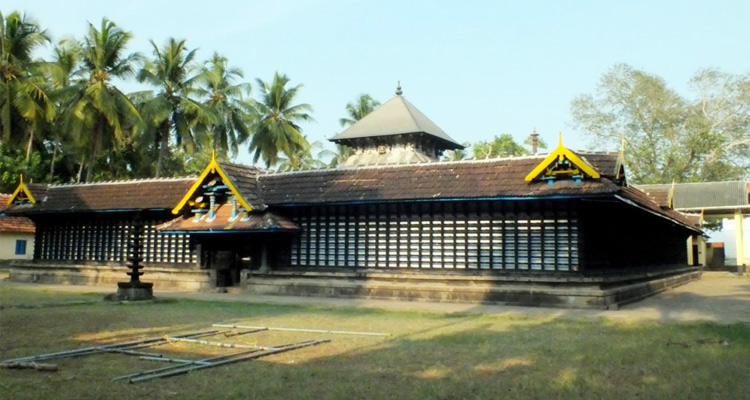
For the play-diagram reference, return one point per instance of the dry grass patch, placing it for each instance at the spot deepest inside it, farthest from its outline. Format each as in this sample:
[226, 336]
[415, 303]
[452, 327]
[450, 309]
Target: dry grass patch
[429, 356]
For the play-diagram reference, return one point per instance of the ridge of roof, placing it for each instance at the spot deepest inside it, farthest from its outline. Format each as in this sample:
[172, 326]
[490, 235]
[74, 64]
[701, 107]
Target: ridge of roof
[435, 163]
[118, 182]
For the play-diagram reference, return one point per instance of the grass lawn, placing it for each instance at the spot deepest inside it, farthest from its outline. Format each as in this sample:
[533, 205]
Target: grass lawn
[428, 356]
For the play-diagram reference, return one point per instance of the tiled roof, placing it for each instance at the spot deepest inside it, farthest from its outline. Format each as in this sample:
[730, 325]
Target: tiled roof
[439, 180]
[396, 117]
[4, 197]
[245, 179]
[266, 221]
[694, 196]
[645, 200]
[116, 195]
[16, 225]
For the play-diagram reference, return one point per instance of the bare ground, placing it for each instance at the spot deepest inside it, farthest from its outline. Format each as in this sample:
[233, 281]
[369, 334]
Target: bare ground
[719, 297]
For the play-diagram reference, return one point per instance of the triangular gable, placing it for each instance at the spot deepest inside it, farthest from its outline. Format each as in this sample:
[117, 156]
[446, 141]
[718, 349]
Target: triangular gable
[22, 194]
[562, 162]
[620, 166]
[670, 197]
[213, 167]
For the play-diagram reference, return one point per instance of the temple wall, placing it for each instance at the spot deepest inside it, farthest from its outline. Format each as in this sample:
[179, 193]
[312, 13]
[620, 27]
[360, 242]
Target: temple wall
[90, 237]
[469, 235]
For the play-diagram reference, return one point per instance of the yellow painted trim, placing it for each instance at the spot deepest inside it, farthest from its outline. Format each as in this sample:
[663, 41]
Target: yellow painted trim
[559, 153]
[212, 167]
[21, 188]
[670, 198]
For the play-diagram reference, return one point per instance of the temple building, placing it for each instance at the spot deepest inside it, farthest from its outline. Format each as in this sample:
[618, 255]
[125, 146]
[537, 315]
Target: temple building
[562, 229]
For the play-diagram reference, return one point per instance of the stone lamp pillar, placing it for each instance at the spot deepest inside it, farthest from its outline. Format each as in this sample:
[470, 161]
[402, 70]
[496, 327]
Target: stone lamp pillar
[135, 289]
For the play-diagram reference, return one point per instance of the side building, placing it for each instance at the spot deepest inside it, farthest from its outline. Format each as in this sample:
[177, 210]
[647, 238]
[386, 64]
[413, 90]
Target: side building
[16, 235]
[563, 229]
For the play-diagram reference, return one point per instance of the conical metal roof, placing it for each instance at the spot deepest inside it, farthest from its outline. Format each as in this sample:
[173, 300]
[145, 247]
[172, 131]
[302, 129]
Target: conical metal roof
[396, 117]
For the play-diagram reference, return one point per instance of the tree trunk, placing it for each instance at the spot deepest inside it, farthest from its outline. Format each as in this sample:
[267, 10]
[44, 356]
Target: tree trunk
[94, 150]
[31, 140]
[52, 163]
[80, 169]
[163, 148]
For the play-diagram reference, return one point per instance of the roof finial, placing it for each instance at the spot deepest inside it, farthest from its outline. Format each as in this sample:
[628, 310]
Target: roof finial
[21, 178]
[561, 145]
[399, 92]
[213, 155]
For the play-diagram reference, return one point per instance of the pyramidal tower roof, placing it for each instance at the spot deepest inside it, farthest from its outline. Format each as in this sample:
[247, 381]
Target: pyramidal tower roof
[396, 117]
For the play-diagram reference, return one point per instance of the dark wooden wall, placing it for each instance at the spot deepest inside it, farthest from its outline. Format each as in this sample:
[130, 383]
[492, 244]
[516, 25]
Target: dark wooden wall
[100, 237]
[617, 236]
[478, 235]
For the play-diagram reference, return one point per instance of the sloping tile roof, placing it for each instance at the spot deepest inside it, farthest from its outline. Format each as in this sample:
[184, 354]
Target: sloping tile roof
[162, 193]
[645, 200]
[266, 221]
[245, 179]
[16, 225]
[396, 117]
[446, 180]
[4, 197]
[694, 196]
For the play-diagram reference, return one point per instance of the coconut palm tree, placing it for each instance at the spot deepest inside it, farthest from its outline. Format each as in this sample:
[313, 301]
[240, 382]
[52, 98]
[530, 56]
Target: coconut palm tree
[99, 111]
[231, 113]
[24, 94]
[304, 158]
[172, 111]
[277, 128]
[358, 109]
[60, 74]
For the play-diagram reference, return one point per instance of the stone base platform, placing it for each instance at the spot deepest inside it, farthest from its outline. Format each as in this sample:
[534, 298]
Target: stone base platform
[135, 291]
[180, 278]
[547, 290]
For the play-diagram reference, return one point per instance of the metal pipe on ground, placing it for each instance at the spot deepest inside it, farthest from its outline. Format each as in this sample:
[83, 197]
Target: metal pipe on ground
[173, 360]
[228, 334]
[182, 369]
[102, 349]
[220, 344]
[300, 330]
[205, 360]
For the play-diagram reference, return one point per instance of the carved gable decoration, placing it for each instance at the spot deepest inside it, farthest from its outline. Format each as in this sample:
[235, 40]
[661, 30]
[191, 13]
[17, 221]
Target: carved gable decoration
[212, 189]
[562, 164]
[21, 195]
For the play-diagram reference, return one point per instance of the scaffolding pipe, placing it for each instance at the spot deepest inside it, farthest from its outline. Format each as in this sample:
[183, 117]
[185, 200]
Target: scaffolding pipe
[300, 330]
[220, 344]
[182, 369]
[134, 344]
[173, 360]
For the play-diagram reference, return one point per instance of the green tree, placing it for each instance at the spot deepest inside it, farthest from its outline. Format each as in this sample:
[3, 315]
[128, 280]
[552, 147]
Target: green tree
[500, 146]
[358, 109]
[172, 111]
[99, 111]
[231, 113]
[25, 104]
[304, 158]
[458, 154]
[667, 136]
[60, 74]
[277, 129]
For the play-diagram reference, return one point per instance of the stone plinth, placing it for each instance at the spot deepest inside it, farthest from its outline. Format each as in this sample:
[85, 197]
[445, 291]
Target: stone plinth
[134, 291]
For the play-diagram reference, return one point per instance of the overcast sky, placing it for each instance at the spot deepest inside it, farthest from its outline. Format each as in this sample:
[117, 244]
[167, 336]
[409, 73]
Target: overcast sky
[476, 68]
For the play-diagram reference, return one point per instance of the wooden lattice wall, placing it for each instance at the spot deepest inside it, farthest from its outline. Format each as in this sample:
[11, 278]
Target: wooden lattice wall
[491, 235]
[106, 240]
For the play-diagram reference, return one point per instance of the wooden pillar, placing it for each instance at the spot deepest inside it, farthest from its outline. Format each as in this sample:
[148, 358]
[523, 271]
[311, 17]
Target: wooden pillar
[264, 257]
[739, 238]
